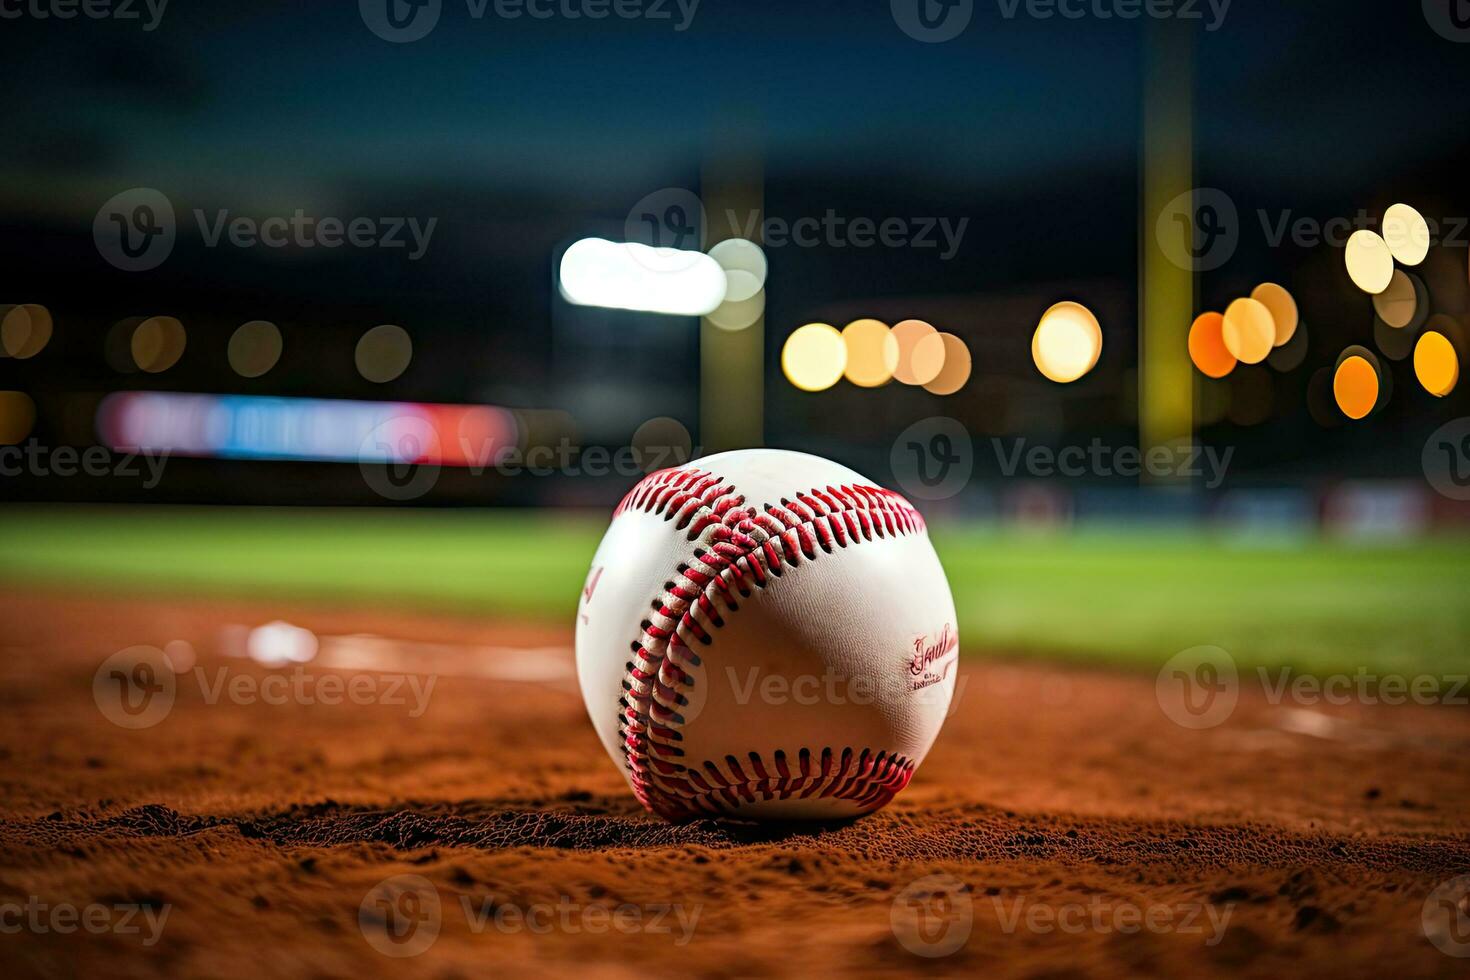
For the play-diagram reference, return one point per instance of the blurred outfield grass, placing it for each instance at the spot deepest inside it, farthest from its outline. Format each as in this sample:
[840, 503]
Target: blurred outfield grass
[1120, 596]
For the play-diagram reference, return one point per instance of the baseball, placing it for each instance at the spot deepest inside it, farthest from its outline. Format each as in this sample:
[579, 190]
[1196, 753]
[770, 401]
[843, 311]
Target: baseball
[766, 635]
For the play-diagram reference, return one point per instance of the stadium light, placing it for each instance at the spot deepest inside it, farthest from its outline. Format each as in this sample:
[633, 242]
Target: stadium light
[630, 276]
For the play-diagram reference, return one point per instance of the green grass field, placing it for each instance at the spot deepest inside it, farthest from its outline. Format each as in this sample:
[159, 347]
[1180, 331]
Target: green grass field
[1118, 596]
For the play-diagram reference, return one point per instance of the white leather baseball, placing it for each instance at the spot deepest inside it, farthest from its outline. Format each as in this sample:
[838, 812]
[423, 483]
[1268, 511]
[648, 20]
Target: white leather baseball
[766, 635]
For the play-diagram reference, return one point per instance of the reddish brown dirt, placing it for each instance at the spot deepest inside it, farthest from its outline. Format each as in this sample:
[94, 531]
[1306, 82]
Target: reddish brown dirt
[1060, 797]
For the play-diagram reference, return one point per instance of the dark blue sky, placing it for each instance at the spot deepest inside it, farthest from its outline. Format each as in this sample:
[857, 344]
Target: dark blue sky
[292, 99]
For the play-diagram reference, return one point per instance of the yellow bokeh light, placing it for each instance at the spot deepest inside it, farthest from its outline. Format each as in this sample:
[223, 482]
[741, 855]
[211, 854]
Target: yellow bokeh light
[24, 330]
[1407, 234]
[738, 314]
[814, 357]
[383, 353]
[1249, 331]
[956, 371]
[1355, 385]
[1282, 306]
[1369, 261]
[254, 349]
[158, 343]
[872, 353]
[1436, 364]
[1067, 342]
[1207, 346]
[1397, 304]
[17, 416]
[920, 352]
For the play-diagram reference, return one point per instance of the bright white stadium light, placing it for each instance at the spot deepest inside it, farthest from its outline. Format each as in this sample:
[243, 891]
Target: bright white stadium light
[629, 276]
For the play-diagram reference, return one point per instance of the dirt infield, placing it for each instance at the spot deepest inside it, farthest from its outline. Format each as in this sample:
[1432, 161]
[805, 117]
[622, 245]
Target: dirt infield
[1091, 835]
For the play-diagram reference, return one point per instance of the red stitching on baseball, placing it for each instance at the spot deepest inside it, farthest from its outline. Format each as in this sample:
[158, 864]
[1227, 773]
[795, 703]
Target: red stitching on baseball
[742, 547]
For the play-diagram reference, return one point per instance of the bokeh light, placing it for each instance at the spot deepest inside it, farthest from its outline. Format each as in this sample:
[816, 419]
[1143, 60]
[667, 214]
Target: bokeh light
[872, 353]
[739, 314]
[255, 347]
[1356, 383]
[1249, 332]
[662, 442]
[278, 643]
[634, 276]
[745, 267]
[158, 343]
[1282, 306]
[814, 357]
[17, 417]
[384, 353]
[1207, 346]
[1397, 304]
[1407, 234]
[1436, 363]
[1369, 261]
[1067, 342]
[24, 330]
[956, 371]
[920, 352]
